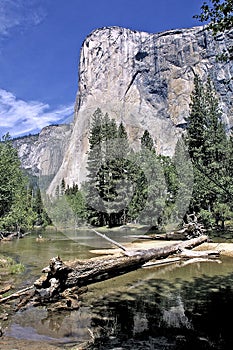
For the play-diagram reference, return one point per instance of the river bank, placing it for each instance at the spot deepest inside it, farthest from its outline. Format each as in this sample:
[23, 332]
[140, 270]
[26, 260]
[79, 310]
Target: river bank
[36, 249]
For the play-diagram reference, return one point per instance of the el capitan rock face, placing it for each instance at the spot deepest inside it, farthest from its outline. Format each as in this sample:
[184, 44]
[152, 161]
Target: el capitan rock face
[145, 81]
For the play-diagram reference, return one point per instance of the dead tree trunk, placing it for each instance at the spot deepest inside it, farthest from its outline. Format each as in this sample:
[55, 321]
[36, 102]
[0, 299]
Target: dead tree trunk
[59, 276]
[190, 230]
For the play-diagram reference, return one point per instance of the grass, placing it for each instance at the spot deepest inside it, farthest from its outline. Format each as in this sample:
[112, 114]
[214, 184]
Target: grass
[8, 265]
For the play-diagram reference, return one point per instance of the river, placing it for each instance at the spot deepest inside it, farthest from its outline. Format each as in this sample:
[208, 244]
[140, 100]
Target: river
[178, 306]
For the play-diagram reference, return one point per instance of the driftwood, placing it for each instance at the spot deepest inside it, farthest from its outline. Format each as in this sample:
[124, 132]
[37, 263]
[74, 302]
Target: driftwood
[184, 260]
[16, 294]
[200, 260]
[9, 236]
[110, 240]
[59, 277]
[185, 253]
[190, 230]
[160, 262]
[63, 282]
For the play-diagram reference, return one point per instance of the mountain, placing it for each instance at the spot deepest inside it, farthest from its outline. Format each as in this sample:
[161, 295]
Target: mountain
[145, 81]
[41, 155]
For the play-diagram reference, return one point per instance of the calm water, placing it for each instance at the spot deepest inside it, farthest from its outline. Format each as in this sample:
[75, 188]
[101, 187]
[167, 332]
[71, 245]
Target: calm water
[171, 307]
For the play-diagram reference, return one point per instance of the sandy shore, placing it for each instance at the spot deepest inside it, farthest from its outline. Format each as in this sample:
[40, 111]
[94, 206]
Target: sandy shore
[225, 249]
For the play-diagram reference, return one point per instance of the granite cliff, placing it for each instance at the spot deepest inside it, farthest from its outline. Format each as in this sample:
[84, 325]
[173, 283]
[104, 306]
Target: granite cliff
[41, 155]
[145, 81]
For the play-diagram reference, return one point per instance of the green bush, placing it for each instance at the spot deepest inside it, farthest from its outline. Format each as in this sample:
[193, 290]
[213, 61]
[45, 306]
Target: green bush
[206, 218]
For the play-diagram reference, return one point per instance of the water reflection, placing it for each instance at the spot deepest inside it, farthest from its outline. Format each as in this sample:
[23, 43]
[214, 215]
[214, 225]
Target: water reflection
[41, 325]
[167, 307]
[165, 315]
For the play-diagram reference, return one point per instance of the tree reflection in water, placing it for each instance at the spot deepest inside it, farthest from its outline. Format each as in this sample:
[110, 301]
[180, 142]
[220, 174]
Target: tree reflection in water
[185, 315]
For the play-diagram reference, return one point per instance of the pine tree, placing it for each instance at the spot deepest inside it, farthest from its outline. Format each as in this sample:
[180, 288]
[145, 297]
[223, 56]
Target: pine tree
[42, 218]
[147, 141]
[196, 121]
[15, 209]
[154, 189]
[208, 146]
[10, 174]
[77, 203]
[149, 198]
[94, 162]
[63, 187]
[108, 183]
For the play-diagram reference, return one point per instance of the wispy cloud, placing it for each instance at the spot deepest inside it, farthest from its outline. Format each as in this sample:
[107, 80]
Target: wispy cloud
[20, 13]
[19, 117]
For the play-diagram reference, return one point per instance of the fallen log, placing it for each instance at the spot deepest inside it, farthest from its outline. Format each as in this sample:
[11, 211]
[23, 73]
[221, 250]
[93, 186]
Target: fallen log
[8, 236]
[190, 230]
[185, 253]
[67, 280]
[166, 261]
[110, 240]
[60, 276]
[16, 294]
[162, 236]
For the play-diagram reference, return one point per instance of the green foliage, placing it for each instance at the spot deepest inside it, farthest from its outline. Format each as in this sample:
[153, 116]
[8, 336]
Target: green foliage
[19, 208]
[124, 186]
[12, 179]
[77, 202]
[59, 209]
[17, 268]
[147, 141]
[222, 212]
[154, 189]
[37, 207]
[219, 14]
[68, 207]
[206, 217]
[108, 186]
[211, 153]
[8, 265]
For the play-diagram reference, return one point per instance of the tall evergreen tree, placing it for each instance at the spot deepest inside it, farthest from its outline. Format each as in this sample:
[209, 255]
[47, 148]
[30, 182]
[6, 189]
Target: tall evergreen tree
[21, 206]
[149, 199]
[108, 186]
[12, 179]
[77, 202]
[94, 163]
[15, 210]
[208, 147]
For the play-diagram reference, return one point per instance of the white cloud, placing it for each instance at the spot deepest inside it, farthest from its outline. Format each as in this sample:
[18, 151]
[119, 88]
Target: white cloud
[23, 13]
[19, 117]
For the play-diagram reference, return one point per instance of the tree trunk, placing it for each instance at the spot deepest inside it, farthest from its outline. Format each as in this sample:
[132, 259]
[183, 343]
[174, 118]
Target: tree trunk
[60, 276]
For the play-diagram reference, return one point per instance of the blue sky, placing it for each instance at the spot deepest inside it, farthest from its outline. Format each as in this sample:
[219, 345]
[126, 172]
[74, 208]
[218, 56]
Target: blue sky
[40, 42]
